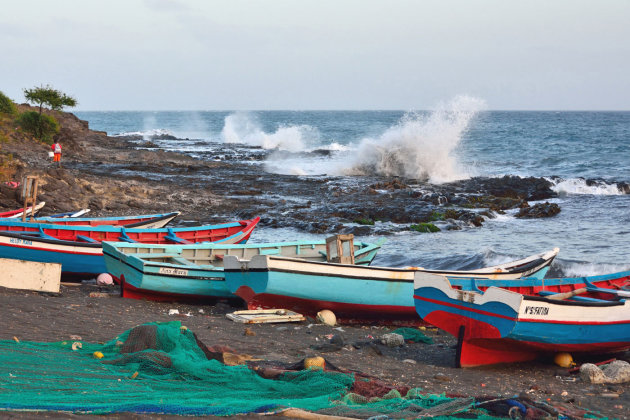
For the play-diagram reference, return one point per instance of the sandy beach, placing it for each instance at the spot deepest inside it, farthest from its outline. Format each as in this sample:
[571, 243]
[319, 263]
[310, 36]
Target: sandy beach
[33, 316]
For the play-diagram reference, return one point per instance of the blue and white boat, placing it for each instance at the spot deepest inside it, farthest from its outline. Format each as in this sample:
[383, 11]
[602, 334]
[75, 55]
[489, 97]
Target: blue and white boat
[167, 272]
[352, 292]
[501, 326]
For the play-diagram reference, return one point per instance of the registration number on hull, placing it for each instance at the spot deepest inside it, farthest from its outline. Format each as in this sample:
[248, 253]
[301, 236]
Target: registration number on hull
[173, 271]
[20, 241]
[536, 310]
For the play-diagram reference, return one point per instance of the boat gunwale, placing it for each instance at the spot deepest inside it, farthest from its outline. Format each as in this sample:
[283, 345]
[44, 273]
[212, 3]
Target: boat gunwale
[377, 268]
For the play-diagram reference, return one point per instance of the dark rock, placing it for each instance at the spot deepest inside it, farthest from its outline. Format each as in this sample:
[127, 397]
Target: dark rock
[394, 184]
[357, 230]
[471, 218]
[539, 210]
[529, 188]
[338, 340]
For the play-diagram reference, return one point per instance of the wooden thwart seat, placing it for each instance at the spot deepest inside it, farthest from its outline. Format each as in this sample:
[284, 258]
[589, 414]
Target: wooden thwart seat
[124, 237]
[171, 236]
[87, 239]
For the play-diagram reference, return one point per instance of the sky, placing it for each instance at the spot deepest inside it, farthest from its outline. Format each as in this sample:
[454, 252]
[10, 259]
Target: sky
[319, 54]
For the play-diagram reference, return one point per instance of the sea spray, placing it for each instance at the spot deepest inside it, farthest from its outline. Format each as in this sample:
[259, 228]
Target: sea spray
[580, 269]
[176, 125]
[581, 186]
[420, 146]
[243, 127]
[149, 126]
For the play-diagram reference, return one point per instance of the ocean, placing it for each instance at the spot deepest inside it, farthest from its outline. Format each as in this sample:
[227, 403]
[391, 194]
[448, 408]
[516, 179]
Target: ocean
[585, 155]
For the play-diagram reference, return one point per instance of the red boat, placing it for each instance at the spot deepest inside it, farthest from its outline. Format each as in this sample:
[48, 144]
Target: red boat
[78, 248]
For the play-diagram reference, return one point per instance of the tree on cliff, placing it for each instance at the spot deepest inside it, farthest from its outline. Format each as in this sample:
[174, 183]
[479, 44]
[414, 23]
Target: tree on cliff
[44, 126]
[6, 105]
[46, 95]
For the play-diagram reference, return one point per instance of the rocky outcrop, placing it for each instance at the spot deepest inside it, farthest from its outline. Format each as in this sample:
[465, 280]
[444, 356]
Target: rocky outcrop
[539, 210]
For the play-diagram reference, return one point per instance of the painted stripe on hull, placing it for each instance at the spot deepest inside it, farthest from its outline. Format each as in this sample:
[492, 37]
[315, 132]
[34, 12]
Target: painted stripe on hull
[129, 291]
[345, 312]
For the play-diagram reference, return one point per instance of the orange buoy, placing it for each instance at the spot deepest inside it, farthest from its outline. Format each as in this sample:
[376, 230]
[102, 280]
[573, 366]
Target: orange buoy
[564, 360]
[314, 363]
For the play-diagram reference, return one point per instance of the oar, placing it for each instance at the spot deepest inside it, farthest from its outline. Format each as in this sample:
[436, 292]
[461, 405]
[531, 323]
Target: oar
[567, 295]
[592, 288]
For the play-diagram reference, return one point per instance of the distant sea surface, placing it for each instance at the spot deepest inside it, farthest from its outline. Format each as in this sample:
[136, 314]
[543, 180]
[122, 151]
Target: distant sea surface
[586, 154]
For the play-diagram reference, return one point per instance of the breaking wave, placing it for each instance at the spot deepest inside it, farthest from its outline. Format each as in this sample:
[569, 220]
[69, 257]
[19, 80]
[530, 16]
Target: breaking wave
[244, 128]
[421, 146]
[580, 269]
[146, 134]
[583, 186]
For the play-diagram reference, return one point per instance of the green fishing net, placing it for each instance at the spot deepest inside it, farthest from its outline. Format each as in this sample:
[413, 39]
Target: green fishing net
[412, 334]
[170, 375]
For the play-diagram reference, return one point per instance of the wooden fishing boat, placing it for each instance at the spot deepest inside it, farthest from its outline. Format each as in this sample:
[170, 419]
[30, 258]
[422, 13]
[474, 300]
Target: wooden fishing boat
[78, 248]
[14, 214]
[145, 221]
[352, 292]
[168, 272]
[501, 326]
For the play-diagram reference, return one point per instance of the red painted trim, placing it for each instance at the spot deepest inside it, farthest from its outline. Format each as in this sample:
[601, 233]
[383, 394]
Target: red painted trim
[465, 308]
[132, 292]
[345, 312]
[547, 321]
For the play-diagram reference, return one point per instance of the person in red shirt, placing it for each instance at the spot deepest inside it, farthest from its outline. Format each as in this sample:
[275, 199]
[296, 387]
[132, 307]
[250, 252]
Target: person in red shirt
[56, 148]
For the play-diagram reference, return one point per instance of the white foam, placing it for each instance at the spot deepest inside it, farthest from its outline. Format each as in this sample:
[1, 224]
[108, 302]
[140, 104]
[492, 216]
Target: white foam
[243, 127]
[579, 186]
[420, 146]
[492, 258]
[280, 162]
[146, 134]
[335, 147]
[573, 269]
[506, 217]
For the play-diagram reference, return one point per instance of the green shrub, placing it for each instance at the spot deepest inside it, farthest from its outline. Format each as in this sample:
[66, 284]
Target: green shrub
[362, 221]
[43, 126]
[425, 228]
[7, 106]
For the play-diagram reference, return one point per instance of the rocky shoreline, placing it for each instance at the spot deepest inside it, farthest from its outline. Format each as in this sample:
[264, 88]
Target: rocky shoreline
[121, 175]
